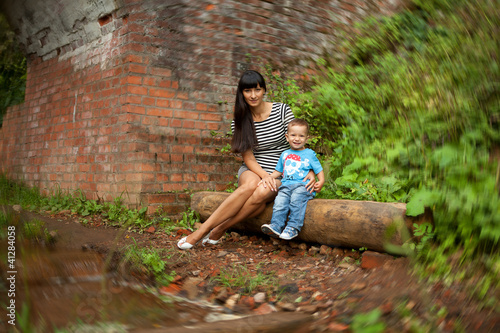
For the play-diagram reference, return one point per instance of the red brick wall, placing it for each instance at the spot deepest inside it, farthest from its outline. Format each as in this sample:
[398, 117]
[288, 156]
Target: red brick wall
[134, 113]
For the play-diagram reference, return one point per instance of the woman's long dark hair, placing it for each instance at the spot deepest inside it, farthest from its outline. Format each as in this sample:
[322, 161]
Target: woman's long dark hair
[244, 137]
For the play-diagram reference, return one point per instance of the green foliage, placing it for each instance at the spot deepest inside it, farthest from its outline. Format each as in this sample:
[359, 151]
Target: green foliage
[149, 261]
[115, 212]
[12, 192]
[412, 115]
[189, 219]
[23, 320]
[35, 230]
[369, 322]
[4, 220]
[12, 69]
[226, 149]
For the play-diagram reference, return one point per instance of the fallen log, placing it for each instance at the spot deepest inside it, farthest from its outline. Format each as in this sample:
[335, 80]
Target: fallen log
[340, 223]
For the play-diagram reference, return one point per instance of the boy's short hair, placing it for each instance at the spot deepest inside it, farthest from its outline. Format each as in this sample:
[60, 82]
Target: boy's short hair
[298, 122]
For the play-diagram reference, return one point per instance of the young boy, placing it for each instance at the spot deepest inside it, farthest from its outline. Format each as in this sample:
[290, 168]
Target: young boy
[294, 164]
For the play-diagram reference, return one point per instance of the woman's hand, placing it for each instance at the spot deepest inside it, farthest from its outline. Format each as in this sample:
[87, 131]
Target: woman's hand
[268, 182]
[311, 177]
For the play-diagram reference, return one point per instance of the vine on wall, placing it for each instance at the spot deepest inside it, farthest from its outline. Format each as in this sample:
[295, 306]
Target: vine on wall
[12, 69]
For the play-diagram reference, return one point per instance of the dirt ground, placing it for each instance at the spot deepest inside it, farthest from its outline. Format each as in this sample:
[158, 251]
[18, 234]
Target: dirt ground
[314, 288]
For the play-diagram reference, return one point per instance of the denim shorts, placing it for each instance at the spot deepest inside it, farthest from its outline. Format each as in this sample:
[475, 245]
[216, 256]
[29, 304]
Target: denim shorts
[242, 169]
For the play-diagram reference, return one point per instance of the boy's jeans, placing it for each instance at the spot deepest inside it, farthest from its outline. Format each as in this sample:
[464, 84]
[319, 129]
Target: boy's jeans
[293, 199]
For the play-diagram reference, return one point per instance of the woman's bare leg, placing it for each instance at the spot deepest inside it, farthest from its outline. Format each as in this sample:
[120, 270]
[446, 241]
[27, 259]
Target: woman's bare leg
[254, 206]
[230, 207]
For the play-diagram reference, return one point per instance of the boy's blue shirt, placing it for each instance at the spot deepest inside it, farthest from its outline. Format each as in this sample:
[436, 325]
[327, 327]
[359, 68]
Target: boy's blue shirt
[295, 164]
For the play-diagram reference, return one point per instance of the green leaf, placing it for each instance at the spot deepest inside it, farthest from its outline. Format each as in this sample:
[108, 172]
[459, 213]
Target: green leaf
[421, 199]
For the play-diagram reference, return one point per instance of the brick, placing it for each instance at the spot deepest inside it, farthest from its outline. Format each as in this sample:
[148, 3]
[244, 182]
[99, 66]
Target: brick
[371, 259]
[160, 112]
[150, 81]
[164, 93]
[134, 68]
[137, 90]
[176, 177]
[174, 187]
[135, 109]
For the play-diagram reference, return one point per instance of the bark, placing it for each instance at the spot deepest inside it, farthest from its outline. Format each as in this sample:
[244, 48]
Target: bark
[339, 223]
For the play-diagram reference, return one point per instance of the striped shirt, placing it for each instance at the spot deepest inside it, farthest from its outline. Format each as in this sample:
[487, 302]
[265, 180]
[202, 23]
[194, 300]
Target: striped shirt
[271, 136]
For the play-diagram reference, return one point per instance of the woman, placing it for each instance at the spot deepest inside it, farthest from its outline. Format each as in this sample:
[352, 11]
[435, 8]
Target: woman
[259, 135]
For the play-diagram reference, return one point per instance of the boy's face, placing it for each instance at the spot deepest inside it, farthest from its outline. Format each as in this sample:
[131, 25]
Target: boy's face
[297, 137]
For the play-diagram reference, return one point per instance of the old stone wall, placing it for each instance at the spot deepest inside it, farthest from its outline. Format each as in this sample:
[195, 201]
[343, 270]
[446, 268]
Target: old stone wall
[133, 98]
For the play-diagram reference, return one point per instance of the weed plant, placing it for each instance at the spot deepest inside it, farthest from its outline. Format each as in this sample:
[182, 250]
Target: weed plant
[35, 230]
[149, 261]
[245, 280]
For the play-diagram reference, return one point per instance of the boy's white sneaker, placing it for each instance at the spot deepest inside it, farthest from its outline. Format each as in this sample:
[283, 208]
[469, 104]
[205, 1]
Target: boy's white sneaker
[289, 233]
[270, 230]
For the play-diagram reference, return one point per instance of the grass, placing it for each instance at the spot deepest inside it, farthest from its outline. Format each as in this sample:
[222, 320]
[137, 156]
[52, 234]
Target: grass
[246, 280]
[149, 262]
[35, 230]
[114, 213]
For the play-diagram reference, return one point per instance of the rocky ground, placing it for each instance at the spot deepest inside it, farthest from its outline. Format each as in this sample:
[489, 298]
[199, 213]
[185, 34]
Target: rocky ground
[294, 287]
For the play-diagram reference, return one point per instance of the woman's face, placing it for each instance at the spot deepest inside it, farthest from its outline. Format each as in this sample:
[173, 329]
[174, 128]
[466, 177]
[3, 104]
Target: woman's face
[254, 96]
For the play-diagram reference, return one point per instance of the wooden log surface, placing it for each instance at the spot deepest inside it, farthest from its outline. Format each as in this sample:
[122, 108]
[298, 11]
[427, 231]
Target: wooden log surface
[345, 223]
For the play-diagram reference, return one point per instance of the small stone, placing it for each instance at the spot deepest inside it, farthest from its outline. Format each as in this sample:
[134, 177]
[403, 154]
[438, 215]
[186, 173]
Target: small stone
[358, 286]
[308, 308]
[313, 250]
[325, 250]
[371, 259]
[17, 208]
[231, 301]
[290, 307]
[347, 266]
[316, 295]
[196, 273]
[265, 308]
[222, 296]
[305, 268]
[337, 327]
[303, 246]
[151, 230]
[191, 287]
[337, 252]
[325, 305]
[221, 254]
[291, 288]
[259, 297]
[247, 301]
[294, 245]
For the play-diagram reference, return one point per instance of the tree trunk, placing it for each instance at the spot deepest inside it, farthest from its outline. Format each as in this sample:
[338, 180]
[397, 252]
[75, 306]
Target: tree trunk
[345, 223]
